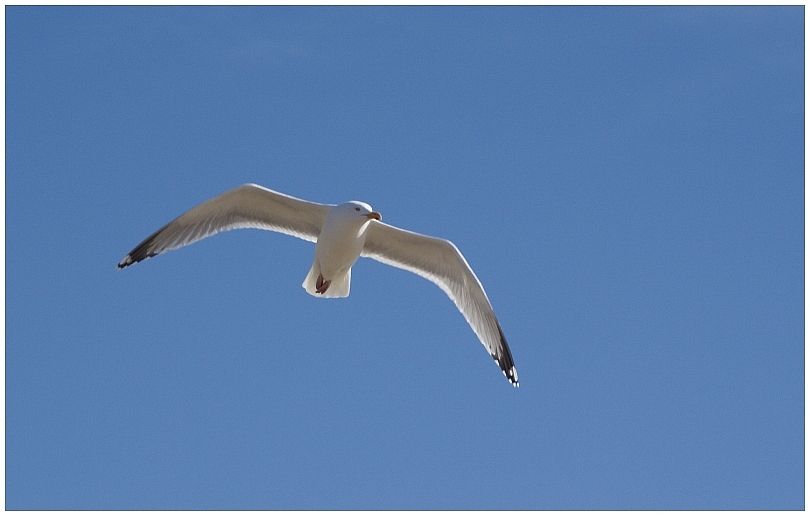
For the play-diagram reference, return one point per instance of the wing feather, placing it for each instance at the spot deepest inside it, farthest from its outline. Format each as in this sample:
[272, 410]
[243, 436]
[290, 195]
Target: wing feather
[247, 206]
[441, 262]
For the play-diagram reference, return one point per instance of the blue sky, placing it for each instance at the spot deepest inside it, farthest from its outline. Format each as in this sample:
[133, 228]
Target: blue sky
[627, 184]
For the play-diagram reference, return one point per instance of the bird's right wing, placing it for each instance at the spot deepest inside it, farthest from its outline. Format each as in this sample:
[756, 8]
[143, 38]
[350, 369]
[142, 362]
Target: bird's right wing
[246, 206]
[441, 262]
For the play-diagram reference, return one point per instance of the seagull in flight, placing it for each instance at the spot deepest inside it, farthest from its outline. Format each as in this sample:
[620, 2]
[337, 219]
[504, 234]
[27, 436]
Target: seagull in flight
[342, 233]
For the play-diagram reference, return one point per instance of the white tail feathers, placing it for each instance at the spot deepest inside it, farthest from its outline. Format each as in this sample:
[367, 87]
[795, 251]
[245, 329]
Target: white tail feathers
[339, 286]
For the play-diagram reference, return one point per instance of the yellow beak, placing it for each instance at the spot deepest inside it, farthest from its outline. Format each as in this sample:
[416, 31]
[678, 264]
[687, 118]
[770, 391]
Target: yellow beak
[374, 215]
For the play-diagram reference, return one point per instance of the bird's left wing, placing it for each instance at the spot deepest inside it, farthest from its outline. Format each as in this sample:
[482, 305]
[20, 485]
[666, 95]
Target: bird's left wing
[442, 263]
[246, 206]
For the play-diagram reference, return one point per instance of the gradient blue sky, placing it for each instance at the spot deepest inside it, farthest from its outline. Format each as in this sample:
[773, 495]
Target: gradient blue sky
[626, 182]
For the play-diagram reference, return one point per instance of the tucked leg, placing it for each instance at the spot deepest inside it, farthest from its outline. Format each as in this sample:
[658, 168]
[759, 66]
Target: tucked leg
[321, 285]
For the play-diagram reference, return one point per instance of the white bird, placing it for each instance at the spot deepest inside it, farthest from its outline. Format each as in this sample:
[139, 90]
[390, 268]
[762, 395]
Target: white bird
[342, 233]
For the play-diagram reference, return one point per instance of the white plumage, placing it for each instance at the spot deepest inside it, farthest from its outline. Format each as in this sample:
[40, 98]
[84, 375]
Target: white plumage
[342, 234]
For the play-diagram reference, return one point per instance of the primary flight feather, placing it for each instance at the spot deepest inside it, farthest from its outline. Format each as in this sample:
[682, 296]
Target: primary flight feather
[342, 233]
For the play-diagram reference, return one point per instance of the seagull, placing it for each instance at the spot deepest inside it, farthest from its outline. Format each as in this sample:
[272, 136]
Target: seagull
[342, 233]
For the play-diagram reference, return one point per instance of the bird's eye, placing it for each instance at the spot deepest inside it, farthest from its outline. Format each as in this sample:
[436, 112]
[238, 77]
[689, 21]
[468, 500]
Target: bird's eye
[357, 209]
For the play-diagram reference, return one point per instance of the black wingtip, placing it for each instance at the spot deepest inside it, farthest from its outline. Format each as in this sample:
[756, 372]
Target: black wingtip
[505, 362]
[509, 372]
[140, 253]
[132, 259]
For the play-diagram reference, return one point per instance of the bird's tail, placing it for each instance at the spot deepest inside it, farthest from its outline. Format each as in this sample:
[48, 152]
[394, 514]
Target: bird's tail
[338, 287]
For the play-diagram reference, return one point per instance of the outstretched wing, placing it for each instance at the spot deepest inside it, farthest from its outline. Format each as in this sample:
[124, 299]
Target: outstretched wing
[247, 206]
[442, 263]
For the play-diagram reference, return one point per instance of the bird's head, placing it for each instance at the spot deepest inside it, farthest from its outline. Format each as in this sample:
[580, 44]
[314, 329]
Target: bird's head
[359, 210]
